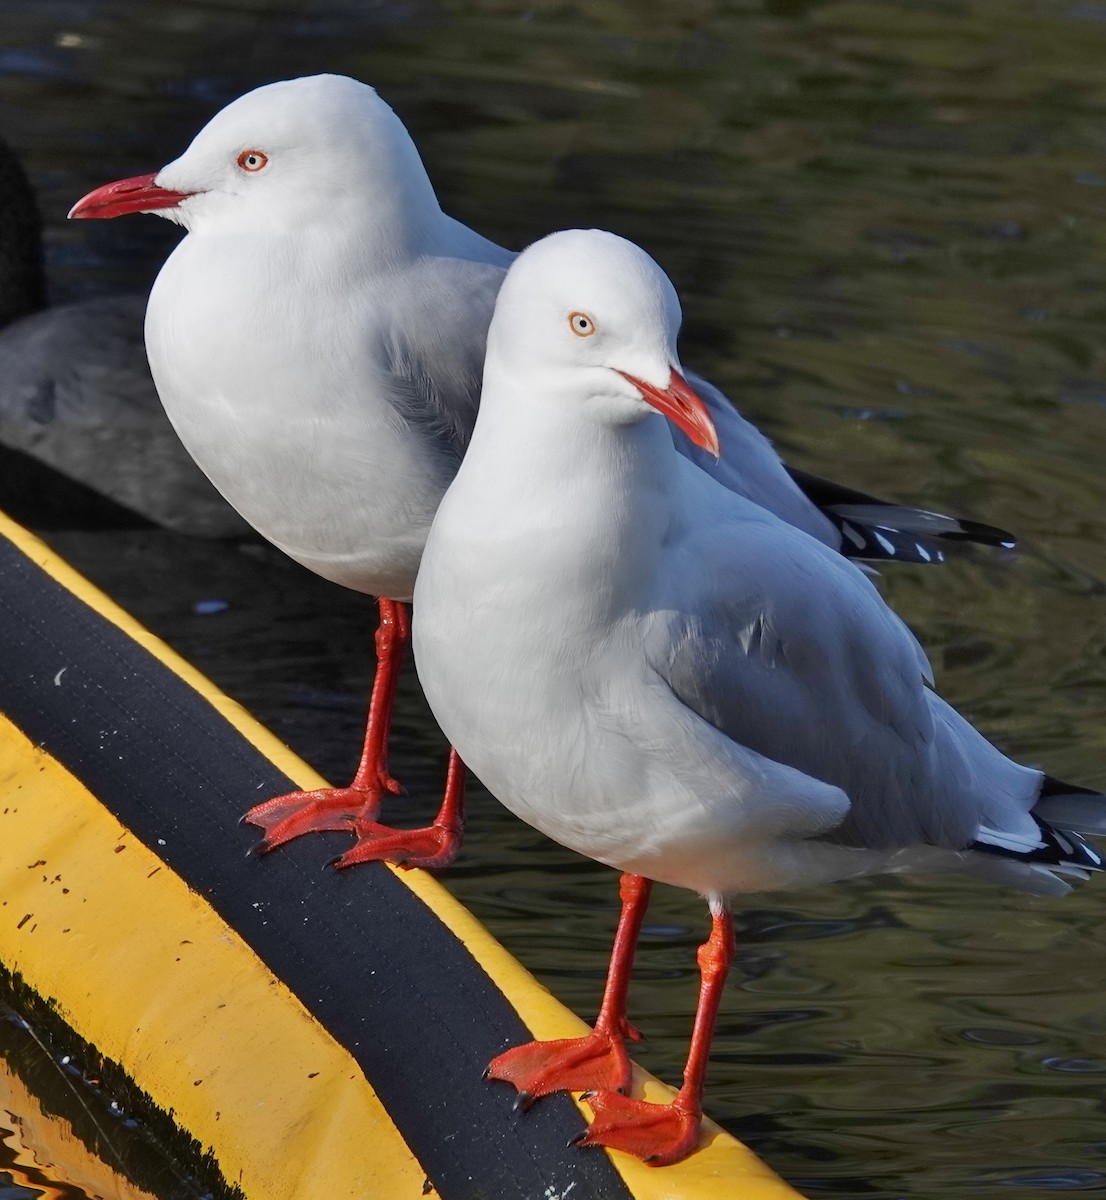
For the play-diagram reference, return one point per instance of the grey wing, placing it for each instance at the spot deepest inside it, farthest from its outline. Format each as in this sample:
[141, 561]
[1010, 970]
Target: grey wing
[434, 346]
[860, 526]
[749, 466]
[76, 394]
[81, 365]
[789, 650]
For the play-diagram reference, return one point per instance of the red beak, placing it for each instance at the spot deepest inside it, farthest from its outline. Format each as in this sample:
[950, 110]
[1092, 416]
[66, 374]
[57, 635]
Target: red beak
[139, 194]
[682, 407]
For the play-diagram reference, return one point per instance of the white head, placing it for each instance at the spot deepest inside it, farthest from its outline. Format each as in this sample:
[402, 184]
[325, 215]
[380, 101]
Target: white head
[595, 319]
[284, 156]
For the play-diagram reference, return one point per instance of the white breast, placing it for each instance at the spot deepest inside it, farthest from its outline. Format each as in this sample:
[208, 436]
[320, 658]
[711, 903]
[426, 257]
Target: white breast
[274, 388]
[534, 666]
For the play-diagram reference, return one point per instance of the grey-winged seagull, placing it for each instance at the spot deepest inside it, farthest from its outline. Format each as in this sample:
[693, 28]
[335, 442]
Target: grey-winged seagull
[662, 675]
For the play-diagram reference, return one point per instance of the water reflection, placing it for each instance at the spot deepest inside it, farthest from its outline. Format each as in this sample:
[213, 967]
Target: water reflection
[886, 221]
[67, 1132]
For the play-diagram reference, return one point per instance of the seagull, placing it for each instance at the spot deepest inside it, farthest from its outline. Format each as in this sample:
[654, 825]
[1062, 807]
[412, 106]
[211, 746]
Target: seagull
[318, 339]
[76, 393]
[662, 675]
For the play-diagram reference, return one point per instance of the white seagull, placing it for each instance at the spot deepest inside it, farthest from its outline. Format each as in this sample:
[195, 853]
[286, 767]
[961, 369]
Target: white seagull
[661, 675]
[317, 340]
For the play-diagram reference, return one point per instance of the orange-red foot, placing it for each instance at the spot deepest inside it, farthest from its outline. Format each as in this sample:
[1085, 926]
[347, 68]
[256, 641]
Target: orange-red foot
[431, 848]
[598, 1061]
[658, 1133]
[286, 817]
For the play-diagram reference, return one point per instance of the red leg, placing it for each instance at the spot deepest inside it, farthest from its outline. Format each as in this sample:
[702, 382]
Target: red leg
[434, 847]
[288, 816]
[665, 1133]
[599, 1060]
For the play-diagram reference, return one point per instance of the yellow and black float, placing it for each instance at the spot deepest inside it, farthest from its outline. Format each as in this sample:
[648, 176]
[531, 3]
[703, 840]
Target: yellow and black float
[315, 1033]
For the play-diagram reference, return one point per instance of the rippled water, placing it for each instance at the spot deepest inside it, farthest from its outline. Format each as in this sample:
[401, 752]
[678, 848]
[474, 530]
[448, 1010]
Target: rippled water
[886, 221]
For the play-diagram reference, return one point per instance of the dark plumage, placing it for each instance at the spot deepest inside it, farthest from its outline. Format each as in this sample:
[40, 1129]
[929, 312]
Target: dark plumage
[76, 395]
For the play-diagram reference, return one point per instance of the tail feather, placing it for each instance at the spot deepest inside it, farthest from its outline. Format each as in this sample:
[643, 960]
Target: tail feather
[1034, 878]
[1070, 807]
[875, 529]
[1062, 814]
[1056, 848]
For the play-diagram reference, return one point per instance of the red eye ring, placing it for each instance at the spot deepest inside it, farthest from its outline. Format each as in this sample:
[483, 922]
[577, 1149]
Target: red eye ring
[581, 324]
[252, 160]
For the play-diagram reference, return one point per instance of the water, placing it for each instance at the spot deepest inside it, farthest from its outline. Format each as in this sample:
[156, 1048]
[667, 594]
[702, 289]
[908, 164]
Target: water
[886, 222]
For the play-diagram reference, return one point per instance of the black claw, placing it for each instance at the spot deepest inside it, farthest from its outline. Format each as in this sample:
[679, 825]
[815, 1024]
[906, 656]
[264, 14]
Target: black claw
[522, 1103]
[575, 1141]
[587, 1095]
[652, 1158]
[486, 1074]
[333, 862]
[258, 848]
[621, 1091]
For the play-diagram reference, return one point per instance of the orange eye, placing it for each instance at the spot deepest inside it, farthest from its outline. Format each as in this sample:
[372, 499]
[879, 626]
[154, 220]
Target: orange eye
[252, 160]
[581, 324]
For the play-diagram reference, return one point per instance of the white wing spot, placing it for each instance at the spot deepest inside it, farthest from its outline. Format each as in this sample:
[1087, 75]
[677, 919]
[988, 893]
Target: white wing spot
[857, 539]
[888, 546]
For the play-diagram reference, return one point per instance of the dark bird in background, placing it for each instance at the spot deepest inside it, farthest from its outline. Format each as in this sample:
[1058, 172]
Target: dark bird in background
[84, 440]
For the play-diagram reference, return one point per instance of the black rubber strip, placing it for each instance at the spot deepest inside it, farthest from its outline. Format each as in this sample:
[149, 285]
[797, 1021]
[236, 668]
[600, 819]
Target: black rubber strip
[389, 981]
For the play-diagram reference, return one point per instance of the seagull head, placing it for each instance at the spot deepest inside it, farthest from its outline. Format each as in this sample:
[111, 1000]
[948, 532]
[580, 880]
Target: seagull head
[594, 318]
[284, 155]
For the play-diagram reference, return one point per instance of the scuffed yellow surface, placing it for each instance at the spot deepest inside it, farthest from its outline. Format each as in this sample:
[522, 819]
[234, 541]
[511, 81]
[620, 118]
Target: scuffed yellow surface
[148, 973]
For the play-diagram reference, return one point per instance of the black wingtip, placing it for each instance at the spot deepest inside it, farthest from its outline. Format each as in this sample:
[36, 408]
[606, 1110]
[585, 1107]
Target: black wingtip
[871, 539]
[1058, 848]
[1081, 853]
[983, 535]
[880, 530]
[1051, 786]
[871, 542]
